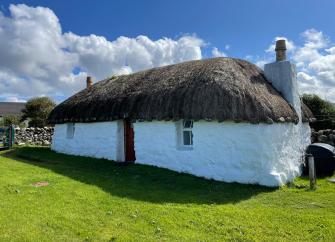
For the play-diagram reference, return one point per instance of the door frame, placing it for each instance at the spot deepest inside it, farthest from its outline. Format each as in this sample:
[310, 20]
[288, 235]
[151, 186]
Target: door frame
[129, 141]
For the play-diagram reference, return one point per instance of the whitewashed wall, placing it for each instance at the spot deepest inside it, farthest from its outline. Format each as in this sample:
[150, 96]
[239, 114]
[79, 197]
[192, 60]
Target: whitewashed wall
[305, 133]
[234, 152]
[100, 140]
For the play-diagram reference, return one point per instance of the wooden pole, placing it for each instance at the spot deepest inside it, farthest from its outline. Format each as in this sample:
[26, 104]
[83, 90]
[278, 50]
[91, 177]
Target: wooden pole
[10, 135]
[311, 171]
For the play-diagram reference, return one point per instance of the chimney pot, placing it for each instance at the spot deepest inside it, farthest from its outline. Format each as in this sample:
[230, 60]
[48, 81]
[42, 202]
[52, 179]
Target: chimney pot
[280, 50]
[89, 82]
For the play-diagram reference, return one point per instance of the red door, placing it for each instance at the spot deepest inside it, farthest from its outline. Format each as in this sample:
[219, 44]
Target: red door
[129, 141]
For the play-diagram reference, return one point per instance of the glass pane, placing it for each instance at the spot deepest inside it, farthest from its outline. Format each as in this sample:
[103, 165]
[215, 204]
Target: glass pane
[187, 138]
[188, 124]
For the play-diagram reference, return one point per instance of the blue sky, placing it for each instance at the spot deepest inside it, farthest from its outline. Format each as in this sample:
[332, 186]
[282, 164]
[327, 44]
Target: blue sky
[243, 29]
[246, 26]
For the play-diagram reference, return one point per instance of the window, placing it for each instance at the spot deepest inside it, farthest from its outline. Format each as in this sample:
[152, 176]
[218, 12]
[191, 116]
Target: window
[70, 130]
[187, 135]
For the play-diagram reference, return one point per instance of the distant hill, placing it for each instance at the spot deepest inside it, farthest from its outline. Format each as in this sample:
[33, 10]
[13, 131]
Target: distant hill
[11, 108]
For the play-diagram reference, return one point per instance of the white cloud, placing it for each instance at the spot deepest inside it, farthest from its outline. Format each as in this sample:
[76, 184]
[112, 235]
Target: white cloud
[103, 58]
[314, 39]
[13, 99]
[124, 70]
[315, 61]
[305, 78]
[37, 58]
[31, 49]
[261, 62]
[217, 53]
[289, 44]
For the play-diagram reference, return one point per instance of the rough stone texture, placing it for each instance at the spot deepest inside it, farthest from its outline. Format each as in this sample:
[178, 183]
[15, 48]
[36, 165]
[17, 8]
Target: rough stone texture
[34, 136]
[324, 136]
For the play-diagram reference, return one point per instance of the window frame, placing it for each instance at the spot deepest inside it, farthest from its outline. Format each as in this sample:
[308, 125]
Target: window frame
[187, 129]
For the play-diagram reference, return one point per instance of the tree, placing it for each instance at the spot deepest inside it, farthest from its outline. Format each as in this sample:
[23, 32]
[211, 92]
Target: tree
[321, 109]
[37, 111]
[12, 119]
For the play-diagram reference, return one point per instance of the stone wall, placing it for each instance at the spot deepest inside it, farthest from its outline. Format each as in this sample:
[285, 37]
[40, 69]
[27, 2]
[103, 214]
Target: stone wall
[323, 136]
[33, 136]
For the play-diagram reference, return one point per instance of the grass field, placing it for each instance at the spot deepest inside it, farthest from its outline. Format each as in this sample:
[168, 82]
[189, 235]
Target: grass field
[97, 200]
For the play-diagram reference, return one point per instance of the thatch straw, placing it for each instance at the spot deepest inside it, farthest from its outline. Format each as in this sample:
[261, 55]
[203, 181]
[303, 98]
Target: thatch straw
[307, 115]
[211, 89]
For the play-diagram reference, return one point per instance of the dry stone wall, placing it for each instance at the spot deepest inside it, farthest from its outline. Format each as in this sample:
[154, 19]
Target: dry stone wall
[323, 136]
[34, 136]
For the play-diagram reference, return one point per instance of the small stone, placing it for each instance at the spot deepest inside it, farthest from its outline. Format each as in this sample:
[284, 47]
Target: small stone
[281, 119]
[45, 142]
[322, 138]
[269, 120]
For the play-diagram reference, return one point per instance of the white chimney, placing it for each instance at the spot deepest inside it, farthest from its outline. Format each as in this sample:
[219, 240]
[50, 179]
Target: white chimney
[282, 74]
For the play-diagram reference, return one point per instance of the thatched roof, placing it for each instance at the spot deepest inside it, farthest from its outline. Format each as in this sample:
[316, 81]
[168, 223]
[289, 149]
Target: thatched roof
[211, 89]
[307, 115]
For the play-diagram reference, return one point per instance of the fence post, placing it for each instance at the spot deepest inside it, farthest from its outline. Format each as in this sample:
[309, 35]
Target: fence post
[311, 171]
[11, 135]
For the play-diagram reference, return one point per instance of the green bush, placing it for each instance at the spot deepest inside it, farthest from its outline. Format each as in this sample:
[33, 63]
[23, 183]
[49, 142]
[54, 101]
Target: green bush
[323, 111]
[37, 111]
[12, 119]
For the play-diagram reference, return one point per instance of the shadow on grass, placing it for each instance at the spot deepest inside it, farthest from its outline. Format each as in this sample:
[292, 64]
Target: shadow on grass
[137, 182]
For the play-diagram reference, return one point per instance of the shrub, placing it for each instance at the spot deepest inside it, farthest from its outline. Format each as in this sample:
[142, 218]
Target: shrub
[323, 111]
[37, 111]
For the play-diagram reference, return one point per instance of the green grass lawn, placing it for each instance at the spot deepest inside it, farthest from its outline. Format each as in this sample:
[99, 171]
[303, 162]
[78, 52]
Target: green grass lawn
[97, 200]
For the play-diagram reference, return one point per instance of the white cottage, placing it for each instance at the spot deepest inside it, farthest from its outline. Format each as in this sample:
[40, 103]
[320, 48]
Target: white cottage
[220, 118]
